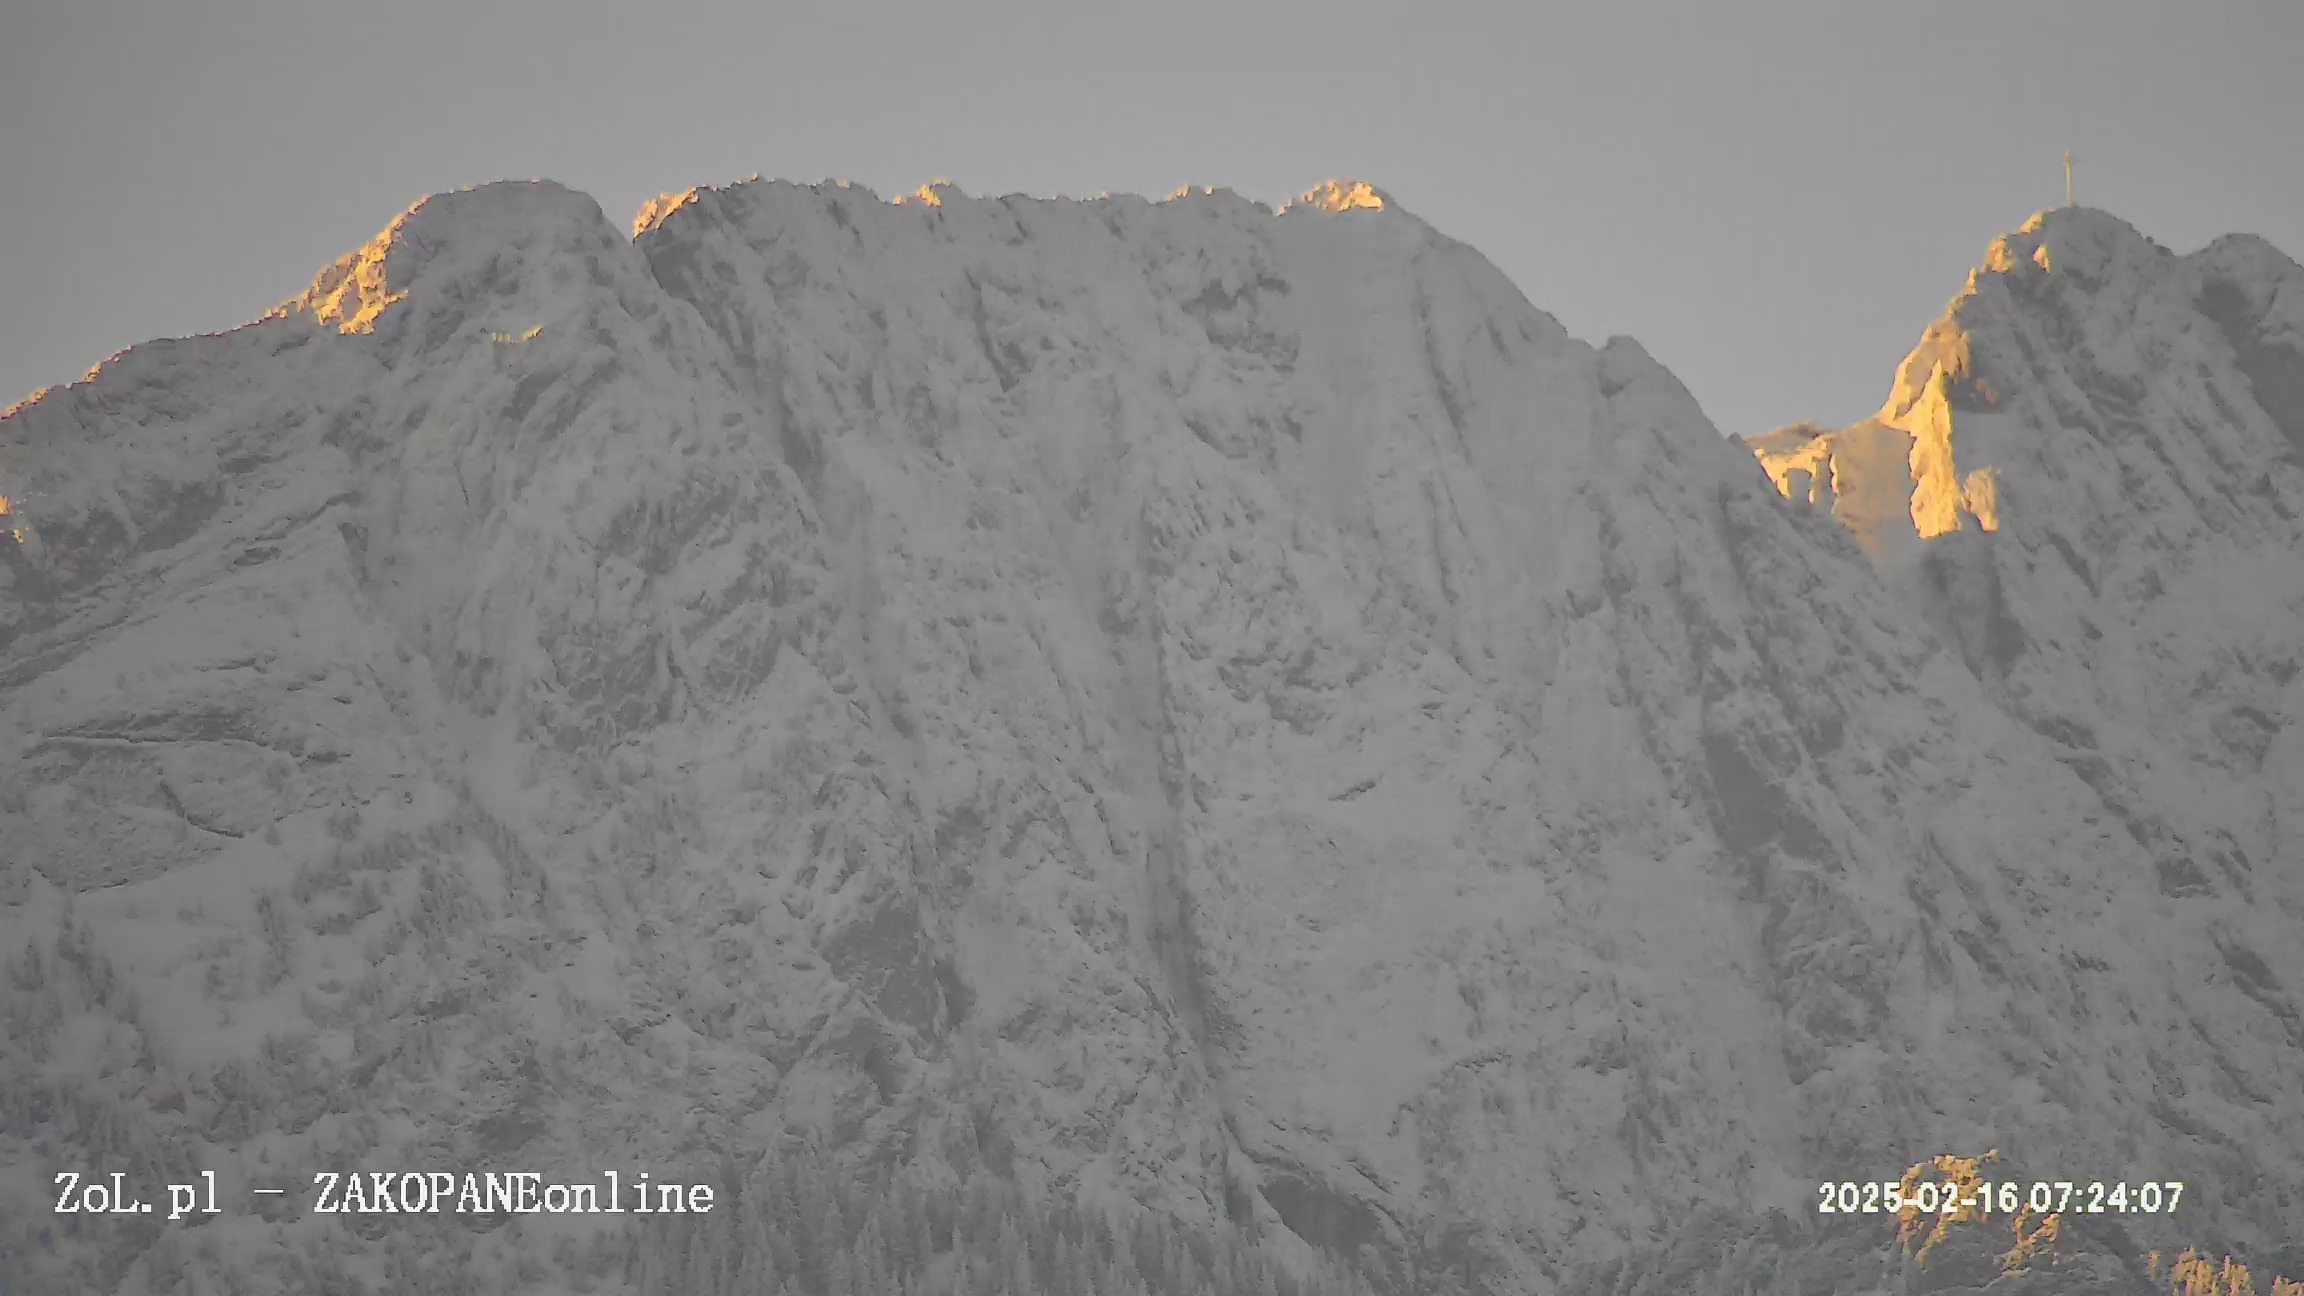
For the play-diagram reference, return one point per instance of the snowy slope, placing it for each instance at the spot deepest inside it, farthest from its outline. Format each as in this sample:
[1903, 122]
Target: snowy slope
[2089, 476]
[1178, 702]
[2102, 444]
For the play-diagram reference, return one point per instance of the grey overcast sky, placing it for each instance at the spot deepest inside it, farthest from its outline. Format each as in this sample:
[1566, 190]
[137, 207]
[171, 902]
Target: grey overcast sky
[1774, 196]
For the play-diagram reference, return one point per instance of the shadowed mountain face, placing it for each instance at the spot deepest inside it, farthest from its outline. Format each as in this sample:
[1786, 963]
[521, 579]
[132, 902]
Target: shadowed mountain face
[1165, 702]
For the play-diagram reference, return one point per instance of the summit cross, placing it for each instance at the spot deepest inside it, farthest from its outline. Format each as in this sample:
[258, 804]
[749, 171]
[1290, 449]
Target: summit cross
[2067, 177]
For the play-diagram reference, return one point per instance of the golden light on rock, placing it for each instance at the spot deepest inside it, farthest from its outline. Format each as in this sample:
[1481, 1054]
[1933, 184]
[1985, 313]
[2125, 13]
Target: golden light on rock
[2193, 1274]
[1920, 406]
[2035, 1244]
[352, 294]
[2037, 1234]
[1863, 473]
[1980, 496]
[653, 212]
[1929, 1229]
[1903, 460]
[929, 194]
[2034, 1234]
[1342, 196]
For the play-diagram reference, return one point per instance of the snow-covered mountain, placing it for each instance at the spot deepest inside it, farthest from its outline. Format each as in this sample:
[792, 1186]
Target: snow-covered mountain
[2090, 476]
[1175, 703]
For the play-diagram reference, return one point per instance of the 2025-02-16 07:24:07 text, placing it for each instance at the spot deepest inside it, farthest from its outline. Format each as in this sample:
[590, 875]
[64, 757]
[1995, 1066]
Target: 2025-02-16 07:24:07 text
[2004, 1197]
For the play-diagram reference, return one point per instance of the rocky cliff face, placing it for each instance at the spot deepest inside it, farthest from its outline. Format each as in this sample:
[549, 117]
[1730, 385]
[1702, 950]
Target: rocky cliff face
[2089, 477]
[1169, 702]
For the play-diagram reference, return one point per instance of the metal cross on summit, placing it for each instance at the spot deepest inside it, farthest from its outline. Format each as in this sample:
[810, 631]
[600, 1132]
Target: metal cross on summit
[2067, 177]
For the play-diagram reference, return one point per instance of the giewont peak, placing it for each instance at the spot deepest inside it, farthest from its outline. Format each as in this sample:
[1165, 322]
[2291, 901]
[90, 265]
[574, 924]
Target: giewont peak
[2064, 336]
[2084, 242]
